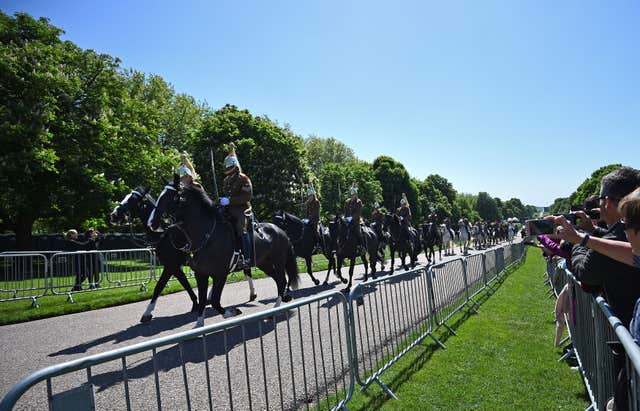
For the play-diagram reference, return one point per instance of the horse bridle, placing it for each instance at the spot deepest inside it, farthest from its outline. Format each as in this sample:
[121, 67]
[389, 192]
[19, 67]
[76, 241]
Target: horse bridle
[187, 248]
[127, 211]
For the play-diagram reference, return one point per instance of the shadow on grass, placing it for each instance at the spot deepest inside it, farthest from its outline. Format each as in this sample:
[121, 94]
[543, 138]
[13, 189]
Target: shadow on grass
[424, 351]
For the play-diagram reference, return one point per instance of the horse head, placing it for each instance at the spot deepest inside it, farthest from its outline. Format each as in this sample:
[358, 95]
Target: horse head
[131, 206]
[166, 205]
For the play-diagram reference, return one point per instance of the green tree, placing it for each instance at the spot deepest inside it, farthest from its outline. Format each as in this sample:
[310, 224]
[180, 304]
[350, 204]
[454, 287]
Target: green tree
[336, 179]
[591, 186]
[444, 186]
[322, 151]
[486, 207]
[432, 200]
[271, 155]
[395, 180]
[560, 205]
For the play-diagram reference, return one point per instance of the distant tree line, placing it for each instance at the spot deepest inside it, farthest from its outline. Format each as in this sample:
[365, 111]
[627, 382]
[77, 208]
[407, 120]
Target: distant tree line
[79, 132]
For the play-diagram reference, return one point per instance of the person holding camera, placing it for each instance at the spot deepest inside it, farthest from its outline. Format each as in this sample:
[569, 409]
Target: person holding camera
[621, 282]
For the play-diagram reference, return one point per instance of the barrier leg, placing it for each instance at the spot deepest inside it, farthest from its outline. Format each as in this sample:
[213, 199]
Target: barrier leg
[385, 388]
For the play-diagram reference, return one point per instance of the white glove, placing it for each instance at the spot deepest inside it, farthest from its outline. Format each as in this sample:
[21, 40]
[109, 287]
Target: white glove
[224, 201]
[305, 220]
[401, 218]
[349, 218]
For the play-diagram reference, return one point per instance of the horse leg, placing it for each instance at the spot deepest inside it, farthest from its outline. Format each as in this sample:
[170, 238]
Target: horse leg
[332, 264]
[278, 275]
[252, 288]
[307, 259]
[203, 283]
[351, 267]
[162, 282]
[364, 262]
[182, 279]
[392, 249]
[339, 271]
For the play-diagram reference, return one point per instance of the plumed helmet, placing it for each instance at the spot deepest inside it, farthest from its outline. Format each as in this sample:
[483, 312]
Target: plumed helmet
[231, 160]
[186, 167]
[311, 191]
[403, 200]
[376, 205]
[354, 189]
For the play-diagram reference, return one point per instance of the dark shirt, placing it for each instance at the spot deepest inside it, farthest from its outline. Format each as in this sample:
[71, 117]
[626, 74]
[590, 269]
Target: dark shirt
[313, 211]
[621, 282]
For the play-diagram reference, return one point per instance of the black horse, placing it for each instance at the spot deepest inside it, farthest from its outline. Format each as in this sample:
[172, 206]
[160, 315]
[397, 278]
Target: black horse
[431, 238]
[404, 240]
[346, 247]
[139, 205]
[210, 244]
[304, 242]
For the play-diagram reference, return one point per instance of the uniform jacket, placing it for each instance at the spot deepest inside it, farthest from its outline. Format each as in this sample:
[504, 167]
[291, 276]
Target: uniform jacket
[353, 208]
[237, 187]
[313, 211]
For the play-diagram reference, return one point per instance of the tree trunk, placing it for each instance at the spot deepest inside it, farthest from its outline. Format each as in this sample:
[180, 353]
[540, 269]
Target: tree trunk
[22, 230]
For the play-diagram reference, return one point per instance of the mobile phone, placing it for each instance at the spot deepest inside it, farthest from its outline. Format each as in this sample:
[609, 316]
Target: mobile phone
[572, 218]
[540, 226]
[594, 214]
[577, 207]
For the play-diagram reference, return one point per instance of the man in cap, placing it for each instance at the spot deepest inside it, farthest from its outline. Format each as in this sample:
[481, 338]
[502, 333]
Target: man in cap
[238, 192]
[353, 214]
[313, 214]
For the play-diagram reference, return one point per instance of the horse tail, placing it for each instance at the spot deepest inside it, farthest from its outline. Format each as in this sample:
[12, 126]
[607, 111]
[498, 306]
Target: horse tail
[292, 268]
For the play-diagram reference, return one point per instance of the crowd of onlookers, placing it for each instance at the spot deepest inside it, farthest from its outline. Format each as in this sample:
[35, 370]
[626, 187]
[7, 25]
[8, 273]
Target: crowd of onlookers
[601, 247]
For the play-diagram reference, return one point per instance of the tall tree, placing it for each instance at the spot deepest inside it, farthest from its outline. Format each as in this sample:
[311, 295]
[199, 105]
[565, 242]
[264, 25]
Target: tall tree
[395, 180]
[273, 156]
[486, 207]
[322, 151]
[591, 186]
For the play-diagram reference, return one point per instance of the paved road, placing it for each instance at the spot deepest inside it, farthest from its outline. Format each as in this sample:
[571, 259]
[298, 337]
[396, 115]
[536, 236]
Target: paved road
[288, 347]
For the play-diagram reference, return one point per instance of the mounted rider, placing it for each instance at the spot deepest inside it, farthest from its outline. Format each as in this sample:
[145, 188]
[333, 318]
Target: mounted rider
[353, 214]
[404, 212]
[312, 218]
[377, 215]
[238, 192]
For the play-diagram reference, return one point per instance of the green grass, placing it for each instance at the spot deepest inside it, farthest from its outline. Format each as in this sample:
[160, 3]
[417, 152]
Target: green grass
[54, 305]
[502, 358]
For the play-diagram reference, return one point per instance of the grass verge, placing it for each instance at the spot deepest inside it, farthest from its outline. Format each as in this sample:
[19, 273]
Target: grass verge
[501, 359]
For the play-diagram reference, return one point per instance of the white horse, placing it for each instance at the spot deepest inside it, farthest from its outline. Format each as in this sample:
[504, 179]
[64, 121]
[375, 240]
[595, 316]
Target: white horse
[511, 232]
[479, 237]
[465, 235]
[447, 240]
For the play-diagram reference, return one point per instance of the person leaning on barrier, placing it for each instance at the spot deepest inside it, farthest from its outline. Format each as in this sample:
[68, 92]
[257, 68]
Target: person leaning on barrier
[621, 282]
[75, 265]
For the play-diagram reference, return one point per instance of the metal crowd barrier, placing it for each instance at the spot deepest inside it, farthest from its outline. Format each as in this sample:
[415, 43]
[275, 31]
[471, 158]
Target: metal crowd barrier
[23, 276]
[100, 269]
[448, 290]
[595, 334]
[306, 354]
[193, 369]
[389, 316]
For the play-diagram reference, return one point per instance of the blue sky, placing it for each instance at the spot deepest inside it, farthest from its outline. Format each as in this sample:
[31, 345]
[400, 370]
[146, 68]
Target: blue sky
[520, 99]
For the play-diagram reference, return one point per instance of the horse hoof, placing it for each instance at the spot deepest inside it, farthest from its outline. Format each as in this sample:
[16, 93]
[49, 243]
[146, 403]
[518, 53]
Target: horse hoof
[146, 318]
[231, 312]
[344, 281]
[194, 307]
[252, 297]
[316, 282]
[286, 298]
[199, 322]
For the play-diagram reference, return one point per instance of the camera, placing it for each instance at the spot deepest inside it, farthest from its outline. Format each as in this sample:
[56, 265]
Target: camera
[576, 208]
[572, 218]
[594, 214]
[540, 226]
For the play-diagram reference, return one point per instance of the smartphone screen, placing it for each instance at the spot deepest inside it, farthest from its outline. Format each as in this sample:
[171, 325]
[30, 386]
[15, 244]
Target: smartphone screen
[542, 226]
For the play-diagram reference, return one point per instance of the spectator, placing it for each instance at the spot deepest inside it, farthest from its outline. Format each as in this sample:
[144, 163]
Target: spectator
[92, 261]
[621, 282]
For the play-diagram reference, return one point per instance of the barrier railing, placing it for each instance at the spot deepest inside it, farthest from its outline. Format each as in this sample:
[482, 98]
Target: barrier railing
[449, 291]
[308, 353]
[101, 269]
[23, 276]
[602, 345]
[389, 316]
[291, 357]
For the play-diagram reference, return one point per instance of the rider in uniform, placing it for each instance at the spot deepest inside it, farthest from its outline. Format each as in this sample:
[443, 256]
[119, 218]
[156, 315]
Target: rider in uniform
[312, 218]
[353, 214]
[238, 192]
[378, 217]
[404, 212]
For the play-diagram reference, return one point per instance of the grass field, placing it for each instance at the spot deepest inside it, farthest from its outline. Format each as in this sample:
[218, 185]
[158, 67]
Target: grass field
[502, 358]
